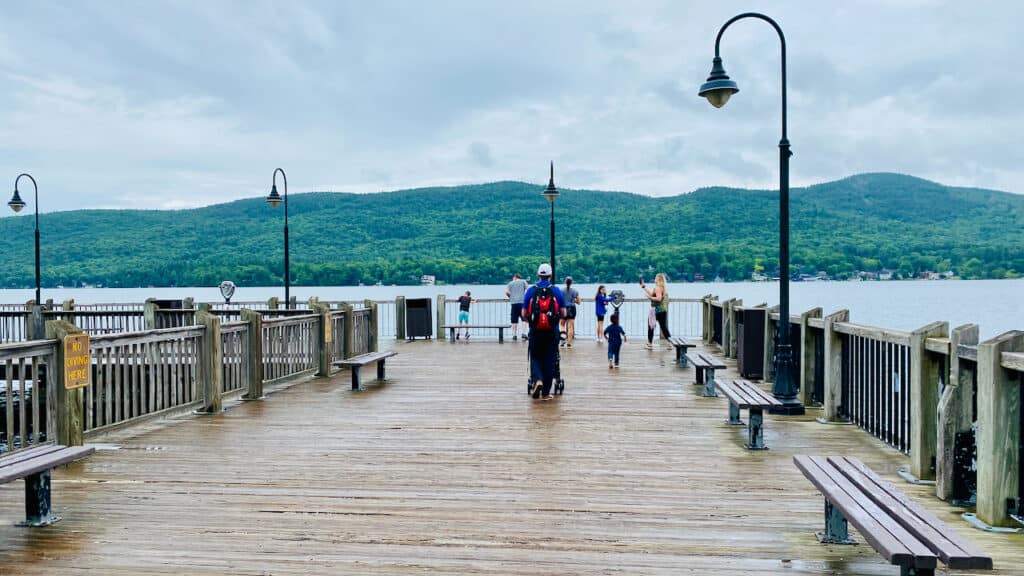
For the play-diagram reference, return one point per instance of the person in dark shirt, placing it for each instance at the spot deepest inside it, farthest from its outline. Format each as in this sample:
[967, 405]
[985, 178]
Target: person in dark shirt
[615, 336]
[464, 301]
[543, 343]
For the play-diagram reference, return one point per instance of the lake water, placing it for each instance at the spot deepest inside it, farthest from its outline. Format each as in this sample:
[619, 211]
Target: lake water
[995, 305]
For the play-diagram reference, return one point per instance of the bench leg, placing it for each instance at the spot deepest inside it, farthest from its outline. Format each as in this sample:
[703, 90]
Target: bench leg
[37, 501]
[734, 415]
[755, 430]
[683, 362]
[699, 375]
[355, 377]
[836, 531]
[380, 369]
[911, 571]
[501, 335]
[451, 335]
[709, 383]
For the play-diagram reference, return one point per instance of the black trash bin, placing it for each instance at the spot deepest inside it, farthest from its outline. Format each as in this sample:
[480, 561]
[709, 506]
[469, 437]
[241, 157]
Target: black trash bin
[418, 321]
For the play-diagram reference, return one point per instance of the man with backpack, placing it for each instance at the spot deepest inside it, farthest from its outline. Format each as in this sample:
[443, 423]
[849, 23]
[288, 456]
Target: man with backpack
[543, 307]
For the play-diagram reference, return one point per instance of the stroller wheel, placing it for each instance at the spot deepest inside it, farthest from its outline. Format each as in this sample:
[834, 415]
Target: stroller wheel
[560, 387]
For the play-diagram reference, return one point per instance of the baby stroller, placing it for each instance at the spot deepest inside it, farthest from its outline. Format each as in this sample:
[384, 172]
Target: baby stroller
[558, 384]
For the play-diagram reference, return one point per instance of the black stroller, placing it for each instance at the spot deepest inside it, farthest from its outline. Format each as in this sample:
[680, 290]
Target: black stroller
[558, 386]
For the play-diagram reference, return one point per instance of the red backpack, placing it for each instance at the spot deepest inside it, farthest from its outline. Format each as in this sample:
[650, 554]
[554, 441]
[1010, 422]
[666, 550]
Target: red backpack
[543, 310]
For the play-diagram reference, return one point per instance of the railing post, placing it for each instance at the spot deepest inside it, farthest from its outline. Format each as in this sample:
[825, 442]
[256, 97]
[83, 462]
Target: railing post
[68, 305]
[373, 326]
[999, 433]
[833, 365]
[70, 404]
[727, 327]
[734, 329]
[399, 318]
[149, 313]
[273, 303]
[441, 299]
[35, 327]
[324, 337]
[924, 400]
[350, 330]
[807, 364]
[769, 344]
[255, 321]
[189, 303]
[213, 360]
[292, 302]
[954, 412]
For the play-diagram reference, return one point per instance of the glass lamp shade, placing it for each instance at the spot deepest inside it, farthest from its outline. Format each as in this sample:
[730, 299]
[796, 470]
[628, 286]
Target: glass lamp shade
[16, 202]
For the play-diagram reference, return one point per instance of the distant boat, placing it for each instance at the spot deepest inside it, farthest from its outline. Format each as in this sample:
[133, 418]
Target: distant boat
[427, 280]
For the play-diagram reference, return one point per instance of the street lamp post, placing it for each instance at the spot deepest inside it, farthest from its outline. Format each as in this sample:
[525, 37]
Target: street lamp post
[17, 204]
[551, 193]
[717, 89]
[274, 199]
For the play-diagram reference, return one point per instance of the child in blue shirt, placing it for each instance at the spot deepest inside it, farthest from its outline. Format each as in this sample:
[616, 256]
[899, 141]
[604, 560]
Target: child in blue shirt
[615, 336]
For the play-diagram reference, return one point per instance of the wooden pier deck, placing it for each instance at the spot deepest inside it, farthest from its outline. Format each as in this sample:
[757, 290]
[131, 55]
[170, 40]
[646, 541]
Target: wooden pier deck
[449, 468]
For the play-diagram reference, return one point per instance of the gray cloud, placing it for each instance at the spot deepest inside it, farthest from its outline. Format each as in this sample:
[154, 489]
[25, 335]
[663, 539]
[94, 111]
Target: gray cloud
[169, 104]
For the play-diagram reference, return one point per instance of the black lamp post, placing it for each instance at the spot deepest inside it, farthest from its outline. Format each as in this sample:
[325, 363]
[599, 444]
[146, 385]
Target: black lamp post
[717, 90]
[274, 199]
[551, 193]
[17, 204]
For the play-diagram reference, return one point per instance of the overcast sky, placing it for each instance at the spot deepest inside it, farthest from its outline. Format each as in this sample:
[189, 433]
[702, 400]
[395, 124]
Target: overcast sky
[171, 104]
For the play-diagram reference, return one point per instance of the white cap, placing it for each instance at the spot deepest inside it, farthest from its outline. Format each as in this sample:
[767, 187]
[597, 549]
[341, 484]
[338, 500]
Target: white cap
[544, 270]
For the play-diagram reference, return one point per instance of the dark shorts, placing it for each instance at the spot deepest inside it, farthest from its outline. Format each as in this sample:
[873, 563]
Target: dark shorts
[600, 317]
[570, 312]
[517, 313]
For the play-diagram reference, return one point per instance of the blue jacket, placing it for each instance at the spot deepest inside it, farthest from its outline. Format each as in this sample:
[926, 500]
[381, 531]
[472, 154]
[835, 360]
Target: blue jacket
[600, 303]
[559, 297]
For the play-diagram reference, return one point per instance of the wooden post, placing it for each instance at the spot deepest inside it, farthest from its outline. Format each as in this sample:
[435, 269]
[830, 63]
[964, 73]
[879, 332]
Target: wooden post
[374, 327]
[999, 433]
[954, 410]
[350, 331]
[293, 302]
[734, 329]
[188, 303]
[149, 313]
[924, 399]
[808, 339]
[324, 337]
[70, 404]
[273, 303]
[440, 312]
[68, 305]
[213, 361]
[35, 328]
[399, 318]
[769, 345]
[255, 320]
[833, 365]
[727, 326]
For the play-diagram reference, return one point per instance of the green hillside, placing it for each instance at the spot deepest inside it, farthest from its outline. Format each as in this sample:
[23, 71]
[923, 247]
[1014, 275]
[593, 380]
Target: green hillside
[482, 233]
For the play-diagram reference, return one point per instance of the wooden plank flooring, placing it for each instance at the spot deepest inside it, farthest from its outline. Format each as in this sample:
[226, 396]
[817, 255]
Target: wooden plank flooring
[450, 468]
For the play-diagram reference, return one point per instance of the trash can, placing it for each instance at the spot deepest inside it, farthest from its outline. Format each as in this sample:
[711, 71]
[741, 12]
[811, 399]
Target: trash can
[418, 322]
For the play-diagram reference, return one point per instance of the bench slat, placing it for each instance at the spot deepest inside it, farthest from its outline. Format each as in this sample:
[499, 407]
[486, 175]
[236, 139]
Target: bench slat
[887, 537]
[701, 360]
[955, 551]
[733, 393]
[745, 395]
[45, 462]
[765, 398]
[364, 359]
[23, 455]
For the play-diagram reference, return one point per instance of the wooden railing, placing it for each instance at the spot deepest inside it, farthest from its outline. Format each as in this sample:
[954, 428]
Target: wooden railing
[235, 350]
[289, 346]
[138, 375]
[26, 393]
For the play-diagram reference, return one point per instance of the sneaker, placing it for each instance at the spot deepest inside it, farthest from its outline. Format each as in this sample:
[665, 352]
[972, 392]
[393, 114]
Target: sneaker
[548, 397]
[616, 365]
[609, 364]
[514, 337]
[537, 386]
[467, 336]
[649, 346]
[458, 336]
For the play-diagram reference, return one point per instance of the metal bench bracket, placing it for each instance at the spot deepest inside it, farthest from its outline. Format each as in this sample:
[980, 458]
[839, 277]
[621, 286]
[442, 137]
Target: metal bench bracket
[836, 531]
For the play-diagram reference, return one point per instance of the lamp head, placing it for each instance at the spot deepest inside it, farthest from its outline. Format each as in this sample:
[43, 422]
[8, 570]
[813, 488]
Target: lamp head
[718, 87]
[16, 202]
[274, 199]
[551, 192]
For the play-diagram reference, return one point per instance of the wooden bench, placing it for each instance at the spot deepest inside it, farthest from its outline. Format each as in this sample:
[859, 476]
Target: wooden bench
[34, 465]
[356, 362]
[898, 528]
[742, 394]
[705, 365]
[682, 346]
[500, 328]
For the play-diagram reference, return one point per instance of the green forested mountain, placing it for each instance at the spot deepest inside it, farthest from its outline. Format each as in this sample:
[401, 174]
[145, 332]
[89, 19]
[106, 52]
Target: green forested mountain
[482, 233]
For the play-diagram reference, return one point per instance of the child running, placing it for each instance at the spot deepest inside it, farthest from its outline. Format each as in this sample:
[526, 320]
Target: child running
[615, 336]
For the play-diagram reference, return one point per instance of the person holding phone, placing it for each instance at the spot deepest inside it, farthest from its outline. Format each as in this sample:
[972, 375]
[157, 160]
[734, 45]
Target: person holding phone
[659, 308]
